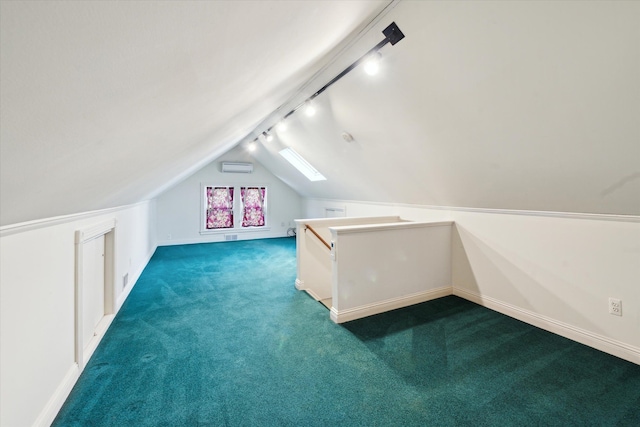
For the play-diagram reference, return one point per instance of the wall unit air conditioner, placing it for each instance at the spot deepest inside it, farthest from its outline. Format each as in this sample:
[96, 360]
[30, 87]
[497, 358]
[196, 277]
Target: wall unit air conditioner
[235, 167]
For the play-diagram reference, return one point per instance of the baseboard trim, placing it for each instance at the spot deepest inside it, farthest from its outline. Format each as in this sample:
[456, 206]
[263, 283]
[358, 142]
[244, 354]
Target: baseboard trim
[301, 287]
[313, 294]
[599, 342]
[58, 398]
[219, 238]
[51, 409]
[134, 279]
[91, 346]
[342, 316]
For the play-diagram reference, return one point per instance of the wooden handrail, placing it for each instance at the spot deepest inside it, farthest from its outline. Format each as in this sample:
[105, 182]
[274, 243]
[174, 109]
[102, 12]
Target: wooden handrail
[307, 226]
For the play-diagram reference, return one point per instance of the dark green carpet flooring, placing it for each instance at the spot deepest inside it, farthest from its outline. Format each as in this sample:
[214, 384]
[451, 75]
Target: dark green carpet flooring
[217, 335]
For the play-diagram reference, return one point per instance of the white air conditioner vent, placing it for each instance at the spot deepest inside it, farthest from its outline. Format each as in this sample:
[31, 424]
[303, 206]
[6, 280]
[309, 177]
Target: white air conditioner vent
[236, 167]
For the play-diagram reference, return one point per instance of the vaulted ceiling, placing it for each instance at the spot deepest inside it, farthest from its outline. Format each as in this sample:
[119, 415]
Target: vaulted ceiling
[514, 105]
[106, 103]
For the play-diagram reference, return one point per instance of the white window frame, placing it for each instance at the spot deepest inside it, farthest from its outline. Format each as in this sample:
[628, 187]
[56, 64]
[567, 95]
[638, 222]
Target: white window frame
[237, 209]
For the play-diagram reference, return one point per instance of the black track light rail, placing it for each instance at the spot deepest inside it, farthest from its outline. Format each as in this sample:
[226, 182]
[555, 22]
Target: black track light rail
[392, 35]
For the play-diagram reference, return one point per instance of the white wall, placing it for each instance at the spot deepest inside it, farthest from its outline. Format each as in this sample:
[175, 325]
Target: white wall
[382, 267]
[179, 208]
[553, 270]
[559, 270]
[314, 265]
[37, 305]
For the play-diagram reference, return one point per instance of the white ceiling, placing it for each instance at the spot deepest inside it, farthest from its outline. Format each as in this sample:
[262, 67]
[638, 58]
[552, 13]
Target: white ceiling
[104, 103]
[515, 105]
[504, 105]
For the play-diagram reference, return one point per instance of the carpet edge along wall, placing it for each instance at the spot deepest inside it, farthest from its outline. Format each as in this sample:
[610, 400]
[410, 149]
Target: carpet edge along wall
[216, 335]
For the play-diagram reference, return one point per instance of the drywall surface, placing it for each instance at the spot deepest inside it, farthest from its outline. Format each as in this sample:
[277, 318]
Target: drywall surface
[314, 268]
[179, 209]
[561, 269]
[37, 285]
[523, 105]
[555, 270]
[110, 102]
[378, 264]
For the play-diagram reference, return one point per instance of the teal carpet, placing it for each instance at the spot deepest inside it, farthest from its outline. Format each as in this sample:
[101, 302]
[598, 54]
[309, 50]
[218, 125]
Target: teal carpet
[217, 335]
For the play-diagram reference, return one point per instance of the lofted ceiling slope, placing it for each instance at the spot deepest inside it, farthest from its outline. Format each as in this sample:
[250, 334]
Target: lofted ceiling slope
[106, 103]
[502, 105]
[508, 105]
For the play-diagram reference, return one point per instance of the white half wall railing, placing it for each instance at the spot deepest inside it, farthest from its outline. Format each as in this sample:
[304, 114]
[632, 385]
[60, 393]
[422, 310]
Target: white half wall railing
[375, 264]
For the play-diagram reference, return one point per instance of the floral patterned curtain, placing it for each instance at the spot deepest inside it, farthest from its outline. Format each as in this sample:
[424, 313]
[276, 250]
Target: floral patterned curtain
[252, 206]
[219, 207]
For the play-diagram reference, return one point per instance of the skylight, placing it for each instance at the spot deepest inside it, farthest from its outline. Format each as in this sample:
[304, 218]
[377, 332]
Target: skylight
[302, 165]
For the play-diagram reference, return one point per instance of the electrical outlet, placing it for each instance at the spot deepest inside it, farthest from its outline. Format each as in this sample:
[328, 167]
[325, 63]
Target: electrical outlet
[168, 236]
[615, 306]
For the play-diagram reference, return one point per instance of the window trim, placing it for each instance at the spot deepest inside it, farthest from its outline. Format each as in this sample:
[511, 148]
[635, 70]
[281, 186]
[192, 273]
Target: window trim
[237, 208]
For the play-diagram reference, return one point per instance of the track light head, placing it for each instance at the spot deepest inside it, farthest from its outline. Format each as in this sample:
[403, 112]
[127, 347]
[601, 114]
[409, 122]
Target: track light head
[372, 64]
[281, 126]
[309, 109]
[393, 33]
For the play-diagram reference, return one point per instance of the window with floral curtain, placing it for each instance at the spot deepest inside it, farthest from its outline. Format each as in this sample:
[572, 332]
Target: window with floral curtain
[219, 207]
[253, 206]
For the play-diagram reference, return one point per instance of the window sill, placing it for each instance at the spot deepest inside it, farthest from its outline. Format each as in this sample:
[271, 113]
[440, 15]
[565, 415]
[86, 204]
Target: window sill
[235, 230]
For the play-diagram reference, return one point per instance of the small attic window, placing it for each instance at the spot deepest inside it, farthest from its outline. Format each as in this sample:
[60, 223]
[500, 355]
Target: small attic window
[302, 165]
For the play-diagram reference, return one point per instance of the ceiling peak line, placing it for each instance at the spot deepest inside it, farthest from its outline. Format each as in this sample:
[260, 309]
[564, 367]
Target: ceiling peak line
[392, 34]
[341, 49]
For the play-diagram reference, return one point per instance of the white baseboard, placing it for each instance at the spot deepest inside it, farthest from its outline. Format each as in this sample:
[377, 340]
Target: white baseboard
[101, 329]
[599, 342]
[56, 401]
[134, 279]
[58, 398]
[341, 316]
[219, 238]
[300, 287]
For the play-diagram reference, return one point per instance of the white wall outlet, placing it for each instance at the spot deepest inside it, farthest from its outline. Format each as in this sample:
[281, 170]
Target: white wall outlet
[615, 306]
[125, 280]
[168, 236]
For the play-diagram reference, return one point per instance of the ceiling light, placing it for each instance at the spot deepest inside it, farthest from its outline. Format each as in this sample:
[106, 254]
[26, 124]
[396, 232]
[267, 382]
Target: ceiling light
[252, 146]
[302, 165]
[392, 35]
[309, 109]
[281, 126]
[267, 136]
[372, 64]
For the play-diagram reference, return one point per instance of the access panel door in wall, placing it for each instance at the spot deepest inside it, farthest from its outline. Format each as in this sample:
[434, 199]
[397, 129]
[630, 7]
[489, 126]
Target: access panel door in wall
[93, 294]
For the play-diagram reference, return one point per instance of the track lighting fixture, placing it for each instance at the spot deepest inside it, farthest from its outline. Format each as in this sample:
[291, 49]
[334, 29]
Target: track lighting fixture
[372, 64]
[281, 126]
[309, 109]
[392, 35]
